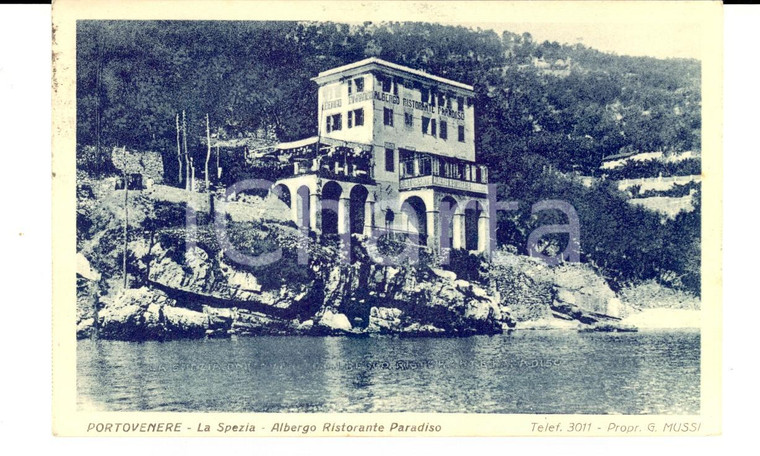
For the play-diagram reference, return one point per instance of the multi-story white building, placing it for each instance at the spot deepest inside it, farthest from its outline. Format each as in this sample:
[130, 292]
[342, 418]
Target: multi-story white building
[395, 153]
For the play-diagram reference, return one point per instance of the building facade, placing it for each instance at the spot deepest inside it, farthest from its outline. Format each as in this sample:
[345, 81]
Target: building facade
[395, 154]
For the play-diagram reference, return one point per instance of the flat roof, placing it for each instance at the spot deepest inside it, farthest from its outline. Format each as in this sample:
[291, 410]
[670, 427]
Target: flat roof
[379, 62]
[298, 143]
[317, 139]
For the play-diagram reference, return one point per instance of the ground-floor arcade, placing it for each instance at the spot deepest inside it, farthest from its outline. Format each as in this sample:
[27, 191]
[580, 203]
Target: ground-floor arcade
[436, 218]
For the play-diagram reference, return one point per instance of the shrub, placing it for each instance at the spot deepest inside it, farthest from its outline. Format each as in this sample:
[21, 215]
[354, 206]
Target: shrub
[465, 265]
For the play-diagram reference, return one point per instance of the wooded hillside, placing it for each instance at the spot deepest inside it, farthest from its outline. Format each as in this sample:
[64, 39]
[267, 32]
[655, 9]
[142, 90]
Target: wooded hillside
[542, 110]
[134, 76]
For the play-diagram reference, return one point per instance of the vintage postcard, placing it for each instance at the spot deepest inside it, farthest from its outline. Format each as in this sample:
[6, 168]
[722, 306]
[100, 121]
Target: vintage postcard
[386, 218]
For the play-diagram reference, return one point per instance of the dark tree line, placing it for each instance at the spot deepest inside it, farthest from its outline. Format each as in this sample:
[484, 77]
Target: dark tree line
[134, 76]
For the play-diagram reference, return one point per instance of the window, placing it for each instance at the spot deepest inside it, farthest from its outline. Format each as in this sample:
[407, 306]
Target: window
[478, 174]
[460, 104]
[356, 118]
[432, 127]
[408, 119]
[359, 83]
[425, 93]
[349, 87]
[359, 117]
[407, 168]
[388, 117]
[334, 122]
[448, 169]
[389, 160]
[425, 125]
[425, 166]
[387, 84]
[448, 102]
[444, 130]
[461, 133]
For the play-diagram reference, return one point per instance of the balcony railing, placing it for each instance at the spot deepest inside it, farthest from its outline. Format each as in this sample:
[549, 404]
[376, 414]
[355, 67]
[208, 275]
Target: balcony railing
[419, 170]
[330, 161]
[333, 169]
[410, 183]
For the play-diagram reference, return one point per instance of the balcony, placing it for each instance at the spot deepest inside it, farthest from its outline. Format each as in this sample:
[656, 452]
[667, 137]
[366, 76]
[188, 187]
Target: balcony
[421, 170]
[329, 159]
[336, 169]
[411, 183]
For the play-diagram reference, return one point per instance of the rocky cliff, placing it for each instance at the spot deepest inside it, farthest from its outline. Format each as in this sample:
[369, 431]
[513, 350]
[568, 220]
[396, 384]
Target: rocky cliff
[206, 294]
[180, 289]
[542, 296]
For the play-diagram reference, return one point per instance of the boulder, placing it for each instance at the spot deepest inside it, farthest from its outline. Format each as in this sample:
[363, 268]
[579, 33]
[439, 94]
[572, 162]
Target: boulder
[384, 320]
[305, 327]
[122, 323]
[84, 268]
[148, 314]
[218, 318]
[334, 321]
[247, 323]
[185, 323]
[579, 285]
[444, 274]
[418, 330]
[85, 328]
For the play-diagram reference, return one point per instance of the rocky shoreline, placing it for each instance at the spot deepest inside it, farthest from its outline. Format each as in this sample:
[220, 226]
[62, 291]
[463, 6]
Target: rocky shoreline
[206, 297]
[179, 290]
[147, 314]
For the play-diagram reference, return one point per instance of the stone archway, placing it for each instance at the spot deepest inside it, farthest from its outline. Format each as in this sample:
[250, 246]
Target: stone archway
[473, 211]
[282, 192]
[449, 222]
[415, 217]
[357, 208]
[332, 193]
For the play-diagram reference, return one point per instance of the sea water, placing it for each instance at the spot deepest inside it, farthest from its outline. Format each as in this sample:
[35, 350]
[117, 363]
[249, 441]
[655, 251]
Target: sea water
[537, 372]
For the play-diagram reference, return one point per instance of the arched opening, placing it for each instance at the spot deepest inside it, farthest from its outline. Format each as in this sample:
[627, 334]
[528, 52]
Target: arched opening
[302, 207]
[448, 208]
[472, 213]
[416, 218]
[358, 198]
[282, 192]
[330, 198]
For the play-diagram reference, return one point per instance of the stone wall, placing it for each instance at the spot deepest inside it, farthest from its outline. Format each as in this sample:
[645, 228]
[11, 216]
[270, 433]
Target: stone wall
[149, 164]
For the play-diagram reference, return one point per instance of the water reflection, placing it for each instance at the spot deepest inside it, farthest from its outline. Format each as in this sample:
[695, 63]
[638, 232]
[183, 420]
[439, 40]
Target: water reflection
[523, 372]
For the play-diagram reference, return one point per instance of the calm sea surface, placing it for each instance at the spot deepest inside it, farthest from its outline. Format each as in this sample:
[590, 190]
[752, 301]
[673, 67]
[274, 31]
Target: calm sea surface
[653, 372]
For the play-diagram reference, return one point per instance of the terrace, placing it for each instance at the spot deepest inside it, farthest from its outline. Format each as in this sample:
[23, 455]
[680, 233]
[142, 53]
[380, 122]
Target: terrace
[421, 170]
[330, 159]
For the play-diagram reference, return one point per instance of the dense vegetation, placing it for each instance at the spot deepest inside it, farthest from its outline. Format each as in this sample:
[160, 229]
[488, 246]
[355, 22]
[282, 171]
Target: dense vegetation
[624, 243]
[134, 77]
